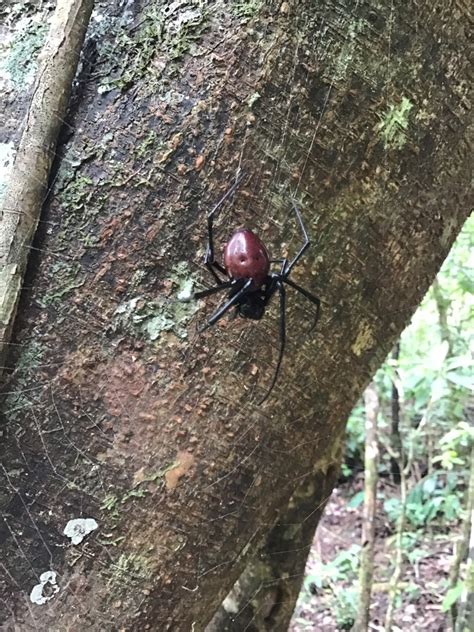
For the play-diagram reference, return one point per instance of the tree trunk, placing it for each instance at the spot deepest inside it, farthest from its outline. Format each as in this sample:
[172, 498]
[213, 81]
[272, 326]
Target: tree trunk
[395, 437]
[465, 619]
[265, 594]
[371, 476]
[117, 411]
[464, 547]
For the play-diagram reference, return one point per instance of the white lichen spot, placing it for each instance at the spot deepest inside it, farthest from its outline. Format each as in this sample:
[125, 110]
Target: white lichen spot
[78, 528]
[96, 16]
[230, 604]
[185, 293]
[364, 340]
[7, 154]
[46, 589]
[178, 17]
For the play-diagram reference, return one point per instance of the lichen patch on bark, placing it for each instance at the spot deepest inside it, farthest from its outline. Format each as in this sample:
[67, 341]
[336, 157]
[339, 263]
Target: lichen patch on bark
[364, 340]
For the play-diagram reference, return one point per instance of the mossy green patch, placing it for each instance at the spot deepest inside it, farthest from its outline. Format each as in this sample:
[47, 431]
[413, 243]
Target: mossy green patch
[81, 201]
[394, 124]
[246, 9]
[165, 313]
[112, 503]
[28, 360]
[128, 568]
[167, 32]
[76, 194]
[21, 63]
[189, 26]
[64, 279]
[143, 148]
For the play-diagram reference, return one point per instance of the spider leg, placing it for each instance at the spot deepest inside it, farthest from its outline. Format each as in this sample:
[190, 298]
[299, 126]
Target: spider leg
[313, 299]
[227, 305]
[209, 259]
[284, 263]
[213, 290]
[304, 246]
[282, 291]
[211, 266]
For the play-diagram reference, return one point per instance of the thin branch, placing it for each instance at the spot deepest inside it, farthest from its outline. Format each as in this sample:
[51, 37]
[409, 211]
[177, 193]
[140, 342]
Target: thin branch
[21, 204]
[465, 617]
[370, 498]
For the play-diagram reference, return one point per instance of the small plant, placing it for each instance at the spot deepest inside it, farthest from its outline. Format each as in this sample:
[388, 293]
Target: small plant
[342, 568]
[436, 496]
[345, 607]
[455, 446]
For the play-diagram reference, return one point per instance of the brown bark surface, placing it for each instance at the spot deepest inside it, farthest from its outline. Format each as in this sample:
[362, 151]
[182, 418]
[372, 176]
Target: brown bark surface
[116, 410]
[264, 596]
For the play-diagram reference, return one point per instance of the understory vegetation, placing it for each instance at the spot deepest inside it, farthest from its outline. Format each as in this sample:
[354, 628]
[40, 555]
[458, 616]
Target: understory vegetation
[425, 436]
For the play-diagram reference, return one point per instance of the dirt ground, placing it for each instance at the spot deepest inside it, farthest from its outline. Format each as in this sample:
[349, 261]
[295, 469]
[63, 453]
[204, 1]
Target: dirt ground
[331, 606]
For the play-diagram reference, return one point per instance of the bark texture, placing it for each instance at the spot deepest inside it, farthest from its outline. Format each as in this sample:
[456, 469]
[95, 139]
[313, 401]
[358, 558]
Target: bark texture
[264, 596]
[116, 410]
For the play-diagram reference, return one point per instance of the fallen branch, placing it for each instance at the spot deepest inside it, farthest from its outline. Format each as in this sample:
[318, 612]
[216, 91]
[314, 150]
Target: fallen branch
[21, 205]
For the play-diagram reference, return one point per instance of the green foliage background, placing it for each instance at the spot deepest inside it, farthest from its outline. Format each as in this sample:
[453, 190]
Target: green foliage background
[434, 378]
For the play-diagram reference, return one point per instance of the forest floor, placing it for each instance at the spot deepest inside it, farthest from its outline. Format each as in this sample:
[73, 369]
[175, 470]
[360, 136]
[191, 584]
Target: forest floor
[329, 597]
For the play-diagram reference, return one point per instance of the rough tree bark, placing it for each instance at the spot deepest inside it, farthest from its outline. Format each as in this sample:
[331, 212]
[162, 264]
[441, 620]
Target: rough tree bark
[264, 596]
[115, 409]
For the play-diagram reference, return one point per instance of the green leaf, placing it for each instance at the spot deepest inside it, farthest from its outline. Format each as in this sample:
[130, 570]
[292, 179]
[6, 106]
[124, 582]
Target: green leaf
[429, 485]
[392, 508]
[356, 500]
[452, 596]
[439, 389]
[466, 283]
[465, 381]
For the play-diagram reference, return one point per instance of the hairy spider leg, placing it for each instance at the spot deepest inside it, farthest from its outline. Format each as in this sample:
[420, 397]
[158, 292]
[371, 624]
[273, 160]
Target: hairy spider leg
[233, 300]
[313, 299]
[306, 244]
[209, 260]
[281, 288]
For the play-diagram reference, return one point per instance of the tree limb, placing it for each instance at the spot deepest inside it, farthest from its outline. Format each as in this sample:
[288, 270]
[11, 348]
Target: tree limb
[24, 196]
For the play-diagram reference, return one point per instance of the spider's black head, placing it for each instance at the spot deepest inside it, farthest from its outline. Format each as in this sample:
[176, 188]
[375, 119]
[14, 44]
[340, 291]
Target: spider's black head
[251, 305]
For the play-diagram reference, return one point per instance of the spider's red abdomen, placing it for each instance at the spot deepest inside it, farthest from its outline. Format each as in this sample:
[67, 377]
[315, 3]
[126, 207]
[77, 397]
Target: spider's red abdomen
[245, 257]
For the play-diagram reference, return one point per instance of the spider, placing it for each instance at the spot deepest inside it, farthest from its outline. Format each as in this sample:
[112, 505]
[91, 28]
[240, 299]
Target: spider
[250, 281]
